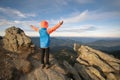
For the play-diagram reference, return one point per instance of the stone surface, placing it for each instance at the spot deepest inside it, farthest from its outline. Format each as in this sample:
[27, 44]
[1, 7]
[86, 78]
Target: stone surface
[5, 67]
[72, 71]
[81, 69]
[15, 40]
[98, 64]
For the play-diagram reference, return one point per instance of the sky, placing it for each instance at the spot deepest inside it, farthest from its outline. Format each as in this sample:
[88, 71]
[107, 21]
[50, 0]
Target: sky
[82, 18]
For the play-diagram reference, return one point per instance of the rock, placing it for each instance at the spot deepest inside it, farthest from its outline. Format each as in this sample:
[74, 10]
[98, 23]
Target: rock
[6, 68]
[40, 74]
[72, 71]
[98, 63]
[15, 39]
[1, 37]
[111, 76]
[15, 47]
[76, 47]
[54, 75]
[96, 72]
[19, 63]
[81, 69]
[22, 65]
[55, 72]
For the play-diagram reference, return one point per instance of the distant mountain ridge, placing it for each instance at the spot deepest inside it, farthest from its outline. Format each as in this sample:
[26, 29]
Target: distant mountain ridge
[105, 43]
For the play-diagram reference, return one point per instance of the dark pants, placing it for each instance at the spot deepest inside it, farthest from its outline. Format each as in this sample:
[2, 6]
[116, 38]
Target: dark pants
[45, 54]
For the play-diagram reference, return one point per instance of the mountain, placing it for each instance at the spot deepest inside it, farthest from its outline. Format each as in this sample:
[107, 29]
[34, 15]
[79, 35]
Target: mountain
[105, 43]
[20, 60]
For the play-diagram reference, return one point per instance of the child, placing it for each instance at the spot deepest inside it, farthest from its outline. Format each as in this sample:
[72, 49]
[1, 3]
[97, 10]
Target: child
[45, 40]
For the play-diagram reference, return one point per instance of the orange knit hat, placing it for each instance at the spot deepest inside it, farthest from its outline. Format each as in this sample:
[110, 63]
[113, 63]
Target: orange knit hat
[44, 24]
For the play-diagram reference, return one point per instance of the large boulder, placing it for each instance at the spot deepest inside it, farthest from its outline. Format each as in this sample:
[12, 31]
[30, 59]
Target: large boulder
[15, 49]
[15, 40]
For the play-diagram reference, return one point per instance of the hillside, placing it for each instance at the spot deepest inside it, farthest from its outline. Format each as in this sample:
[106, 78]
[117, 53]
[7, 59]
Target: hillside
[105, 43]
[55, 42]
[20, 60]
[110, 46]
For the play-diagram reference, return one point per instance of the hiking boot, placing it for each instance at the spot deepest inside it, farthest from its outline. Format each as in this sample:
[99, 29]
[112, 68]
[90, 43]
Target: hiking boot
[42, 66]
[47, 66]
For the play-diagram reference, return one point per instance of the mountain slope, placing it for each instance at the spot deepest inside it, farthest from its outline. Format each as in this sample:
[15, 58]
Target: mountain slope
[105, 43]
[20, 60]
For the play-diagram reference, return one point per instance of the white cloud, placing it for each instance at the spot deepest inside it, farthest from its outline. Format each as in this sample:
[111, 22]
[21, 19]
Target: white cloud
[89, 30]
[82, 16]
[78, 29]
[16, 22]
[32, 33]
[93, 15]
[15, 13]
[85, 34]
[4, 24]
[88, 15]
[72, 19]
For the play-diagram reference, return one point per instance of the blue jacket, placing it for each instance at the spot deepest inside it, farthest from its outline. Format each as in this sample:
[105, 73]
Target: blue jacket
[44, 38]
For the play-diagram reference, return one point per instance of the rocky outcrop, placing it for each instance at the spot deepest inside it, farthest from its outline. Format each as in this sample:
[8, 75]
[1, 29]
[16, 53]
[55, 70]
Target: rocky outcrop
[20, 60]
[15, 47]
[15, 40]
[96, 64]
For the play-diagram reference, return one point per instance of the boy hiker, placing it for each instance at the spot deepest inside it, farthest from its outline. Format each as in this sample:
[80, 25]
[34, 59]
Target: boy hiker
[45, 40]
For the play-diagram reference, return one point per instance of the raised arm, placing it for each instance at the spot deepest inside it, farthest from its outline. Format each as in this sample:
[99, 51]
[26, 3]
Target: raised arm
[50, 30]
[34, 28]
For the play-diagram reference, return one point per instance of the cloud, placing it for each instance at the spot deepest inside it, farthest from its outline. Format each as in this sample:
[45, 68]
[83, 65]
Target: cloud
[73, 19]
[15, 13]
[78, 29]
[24, 25]
[16, 22]
[80, 17]
[88, 16]
[4, 24]
[104, 15]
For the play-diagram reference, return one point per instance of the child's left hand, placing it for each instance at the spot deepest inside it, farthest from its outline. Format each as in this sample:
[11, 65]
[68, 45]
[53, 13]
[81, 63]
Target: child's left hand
[61, 22]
